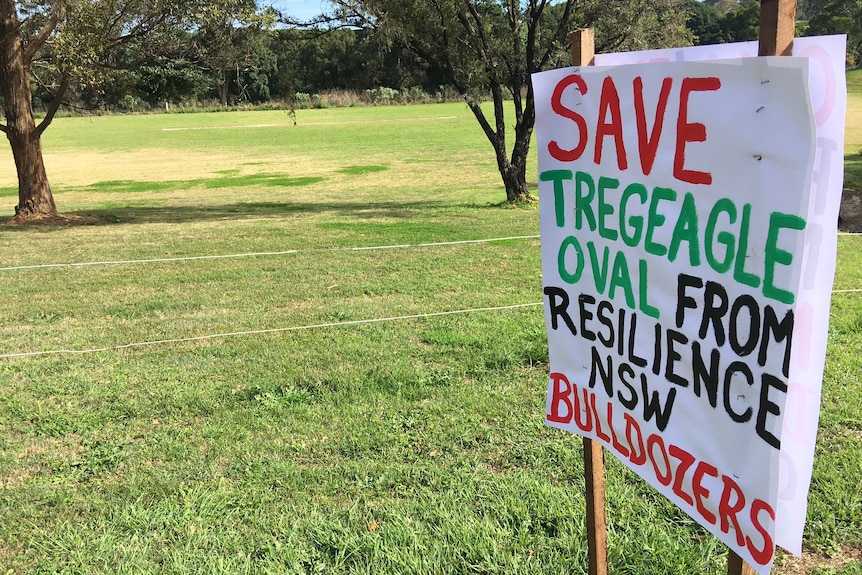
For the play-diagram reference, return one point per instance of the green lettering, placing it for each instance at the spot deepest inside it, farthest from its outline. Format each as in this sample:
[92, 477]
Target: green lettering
[620, 277]
[739, 273]
[583, 200]
[643, 282]
[655, 220]
[685, 230]
[606, 209]
[636, 223]
[599, 275]
[775, 255]
[725, 238]
[571, 278]
[558, 177]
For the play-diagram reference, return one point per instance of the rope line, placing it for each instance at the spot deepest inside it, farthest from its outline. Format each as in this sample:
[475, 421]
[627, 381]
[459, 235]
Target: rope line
[261, 331]
[286, 329]
[263, 254]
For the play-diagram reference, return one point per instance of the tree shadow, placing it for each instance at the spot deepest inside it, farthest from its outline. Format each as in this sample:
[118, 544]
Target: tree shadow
[121, 215]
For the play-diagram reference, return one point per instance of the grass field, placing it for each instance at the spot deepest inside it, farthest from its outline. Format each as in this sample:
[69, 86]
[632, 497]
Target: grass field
[415, 445]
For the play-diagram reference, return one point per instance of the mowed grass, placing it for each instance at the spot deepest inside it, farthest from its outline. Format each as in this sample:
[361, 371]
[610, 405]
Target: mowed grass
[414, 445]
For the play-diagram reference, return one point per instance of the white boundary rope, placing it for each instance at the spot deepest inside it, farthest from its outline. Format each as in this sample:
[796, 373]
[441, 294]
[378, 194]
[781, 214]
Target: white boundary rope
[261, 331]
[262, 254]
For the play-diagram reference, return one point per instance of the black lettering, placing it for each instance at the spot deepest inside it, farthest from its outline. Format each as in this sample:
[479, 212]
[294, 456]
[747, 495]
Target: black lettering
[713, 312]
[606, 307]
[709, 377]
[766, 407]
[626, 372]
[633, 327]
[605, 374]
[652, 405]
[780, 331]
[558, 300]
[586, 315]
[683, 301]
[673, 356]
[736, 367]
[744, 301]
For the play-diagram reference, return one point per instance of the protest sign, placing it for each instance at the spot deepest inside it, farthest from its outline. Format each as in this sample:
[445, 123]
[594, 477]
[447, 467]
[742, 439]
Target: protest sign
[674, 201]
[827, 85]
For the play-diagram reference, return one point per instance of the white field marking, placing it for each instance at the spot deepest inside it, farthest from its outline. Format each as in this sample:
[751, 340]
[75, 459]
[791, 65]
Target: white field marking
[847, 291]
[260, 331]
[240, 126]
[262, 254]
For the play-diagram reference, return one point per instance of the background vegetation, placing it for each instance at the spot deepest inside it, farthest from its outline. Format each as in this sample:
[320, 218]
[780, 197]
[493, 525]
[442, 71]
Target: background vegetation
[319, 66]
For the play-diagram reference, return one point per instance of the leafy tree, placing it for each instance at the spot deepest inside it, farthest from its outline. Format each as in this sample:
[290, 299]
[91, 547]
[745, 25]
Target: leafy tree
[838, 17]
[70, 42]
[493, 46]
[232, 43]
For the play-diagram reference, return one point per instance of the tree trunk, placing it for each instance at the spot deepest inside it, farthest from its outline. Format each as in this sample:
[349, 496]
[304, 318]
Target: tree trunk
[34, 193]
[515, 180]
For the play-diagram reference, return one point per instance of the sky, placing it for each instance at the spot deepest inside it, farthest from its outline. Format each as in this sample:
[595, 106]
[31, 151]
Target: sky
[301, 9]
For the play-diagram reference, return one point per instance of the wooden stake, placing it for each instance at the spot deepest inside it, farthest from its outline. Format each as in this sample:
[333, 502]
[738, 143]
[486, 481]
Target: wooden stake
[736, 566]
[583, 54]
[777, 28]
[597, 527]
[583, 46]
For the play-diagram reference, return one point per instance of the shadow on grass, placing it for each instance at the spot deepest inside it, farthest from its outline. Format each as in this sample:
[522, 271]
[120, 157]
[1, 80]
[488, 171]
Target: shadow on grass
[853, 171]
[183, 214]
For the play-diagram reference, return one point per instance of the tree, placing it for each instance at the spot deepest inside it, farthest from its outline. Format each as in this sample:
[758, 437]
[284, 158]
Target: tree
[838, 17]
[72, 39]
[493, 46]
[231, 41]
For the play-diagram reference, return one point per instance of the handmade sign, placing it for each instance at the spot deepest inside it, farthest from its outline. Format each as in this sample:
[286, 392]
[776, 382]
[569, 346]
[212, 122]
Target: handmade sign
[674, 202]
[827, 84]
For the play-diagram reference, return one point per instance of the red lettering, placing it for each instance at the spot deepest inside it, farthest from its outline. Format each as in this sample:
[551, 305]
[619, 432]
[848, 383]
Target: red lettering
[761, 556]
[621, 449]
[585, 426]
[686, 460]
[560, 396]
[557, 106]
[609, 102]
[632, 425]
[691, 132]
[599, 431]
[648, 144]
[727, 511]
[665, 478]
[701, 492]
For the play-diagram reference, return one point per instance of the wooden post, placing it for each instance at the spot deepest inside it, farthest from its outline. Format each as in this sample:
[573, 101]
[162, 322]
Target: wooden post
[777, 28]
[583, 47]
[583, 54]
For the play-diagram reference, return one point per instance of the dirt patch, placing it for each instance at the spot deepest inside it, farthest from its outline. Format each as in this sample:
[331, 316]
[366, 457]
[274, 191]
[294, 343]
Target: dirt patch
[850, 215]
[59, 220]
[786, 564]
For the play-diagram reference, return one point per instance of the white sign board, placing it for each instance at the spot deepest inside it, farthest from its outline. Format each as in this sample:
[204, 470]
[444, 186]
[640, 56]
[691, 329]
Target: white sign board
[828, 88]
[678, 223]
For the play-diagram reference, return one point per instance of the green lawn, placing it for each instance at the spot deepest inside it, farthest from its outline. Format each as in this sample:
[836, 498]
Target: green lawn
[415, 445]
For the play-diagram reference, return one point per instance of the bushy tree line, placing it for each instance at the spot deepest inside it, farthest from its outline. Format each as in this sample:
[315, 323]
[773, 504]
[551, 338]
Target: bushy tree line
[248, 57]
[252, 62]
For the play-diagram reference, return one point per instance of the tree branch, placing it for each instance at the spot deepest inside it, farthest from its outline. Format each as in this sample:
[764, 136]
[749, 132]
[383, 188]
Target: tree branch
[41, 37]
[55, 105]
[4, 129]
